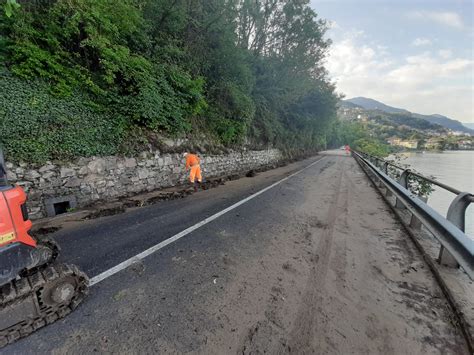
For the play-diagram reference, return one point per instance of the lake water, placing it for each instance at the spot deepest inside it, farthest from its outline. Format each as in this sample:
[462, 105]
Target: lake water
[454, 168]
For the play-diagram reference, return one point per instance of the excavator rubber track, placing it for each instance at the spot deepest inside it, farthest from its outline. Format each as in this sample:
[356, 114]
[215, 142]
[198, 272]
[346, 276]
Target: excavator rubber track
[31, 295]
[54, 248]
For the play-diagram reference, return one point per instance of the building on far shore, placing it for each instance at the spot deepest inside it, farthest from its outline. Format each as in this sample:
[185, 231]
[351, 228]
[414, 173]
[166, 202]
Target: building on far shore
[409, 143]
[433, 143]
[394, 140]
[466, 144]
[456, 133]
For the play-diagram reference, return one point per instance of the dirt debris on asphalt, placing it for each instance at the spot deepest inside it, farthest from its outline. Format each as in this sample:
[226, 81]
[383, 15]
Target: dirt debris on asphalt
[351, 282]
[317, 265]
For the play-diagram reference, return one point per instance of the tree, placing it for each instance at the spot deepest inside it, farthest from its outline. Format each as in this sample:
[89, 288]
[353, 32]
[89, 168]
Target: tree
[236, 70]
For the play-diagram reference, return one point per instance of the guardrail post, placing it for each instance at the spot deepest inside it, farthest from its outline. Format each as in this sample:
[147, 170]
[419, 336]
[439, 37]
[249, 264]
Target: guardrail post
[404, 182]
[378, 182]
[415, 223]
[388, 193]
[457, 216]
[457, 210]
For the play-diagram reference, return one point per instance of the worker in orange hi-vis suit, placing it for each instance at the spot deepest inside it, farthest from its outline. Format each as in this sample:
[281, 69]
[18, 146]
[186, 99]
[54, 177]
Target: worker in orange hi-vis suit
[192, 164]
[348, 149]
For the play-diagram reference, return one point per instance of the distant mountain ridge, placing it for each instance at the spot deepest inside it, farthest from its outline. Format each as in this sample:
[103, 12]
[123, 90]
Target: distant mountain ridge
[371, 104]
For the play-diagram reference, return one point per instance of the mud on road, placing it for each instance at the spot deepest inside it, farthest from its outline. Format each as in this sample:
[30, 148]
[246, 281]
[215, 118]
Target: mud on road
[315, 265]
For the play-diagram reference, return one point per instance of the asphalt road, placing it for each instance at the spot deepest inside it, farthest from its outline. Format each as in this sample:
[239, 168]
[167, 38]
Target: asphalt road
[315, 264]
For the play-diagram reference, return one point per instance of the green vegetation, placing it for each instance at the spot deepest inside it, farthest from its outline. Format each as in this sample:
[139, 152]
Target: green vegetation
[35, 125]
[10, 6]
[416, 184]
[94, 77]
[358, 137]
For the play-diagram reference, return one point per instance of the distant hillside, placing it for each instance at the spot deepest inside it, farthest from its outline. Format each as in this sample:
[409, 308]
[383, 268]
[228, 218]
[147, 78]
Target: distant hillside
[445, 122]
[468, 125]
[370, 104]
[406, 119]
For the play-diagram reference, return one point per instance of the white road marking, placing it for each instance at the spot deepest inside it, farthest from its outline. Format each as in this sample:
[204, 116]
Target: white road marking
[123, 265]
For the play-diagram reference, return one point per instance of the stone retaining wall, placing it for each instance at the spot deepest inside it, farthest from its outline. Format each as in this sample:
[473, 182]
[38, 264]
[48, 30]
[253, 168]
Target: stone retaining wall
[88, 180]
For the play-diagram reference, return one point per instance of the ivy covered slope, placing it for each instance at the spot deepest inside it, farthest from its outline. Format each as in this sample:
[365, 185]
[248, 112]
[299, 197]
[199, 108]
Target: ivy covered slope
[94, 77]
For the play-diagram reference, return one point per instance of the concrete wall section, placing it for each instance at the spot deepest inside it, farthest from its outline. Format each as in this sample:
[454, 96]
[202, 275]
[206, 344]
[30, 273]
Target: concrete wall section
[88, 180]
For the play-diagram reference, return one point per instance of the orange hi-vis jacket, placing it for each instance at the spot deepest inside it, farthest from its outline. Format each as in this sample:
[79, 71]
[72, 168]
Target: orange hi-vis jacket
[191, 160]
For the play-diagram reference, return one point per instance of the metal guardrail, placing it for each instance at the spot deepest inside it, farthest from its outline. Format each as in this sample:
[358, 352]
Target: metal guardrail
[456, 247]
[387, 164]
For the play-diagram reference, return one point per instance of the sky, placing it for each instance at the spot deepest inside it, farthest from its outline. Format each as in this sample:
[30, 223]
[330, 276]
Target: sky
[416, 55]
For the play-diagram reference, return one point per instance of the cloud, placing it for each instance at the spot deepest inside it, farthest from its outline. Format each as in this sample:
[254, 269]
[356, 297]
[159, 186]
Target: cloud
[422, 71]
[446, 18]
[348, 61]
[418, 42]
[445, 53]
[425, 83]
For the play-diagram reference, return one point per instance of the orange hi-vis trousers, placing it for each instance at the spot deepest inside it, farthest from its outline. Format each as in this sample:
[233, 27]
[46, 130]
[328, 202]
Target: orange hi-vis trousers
[195, 173]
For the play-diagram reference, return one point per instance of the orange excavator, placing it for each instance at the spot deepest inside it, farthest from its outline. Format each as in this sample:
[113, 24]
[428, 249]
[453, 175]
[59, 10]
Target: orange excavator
[35, 290]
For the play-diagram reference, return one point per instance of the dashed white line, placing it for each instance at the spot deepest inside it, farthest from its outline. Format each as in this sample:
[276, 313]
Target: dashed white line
[123, 265]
